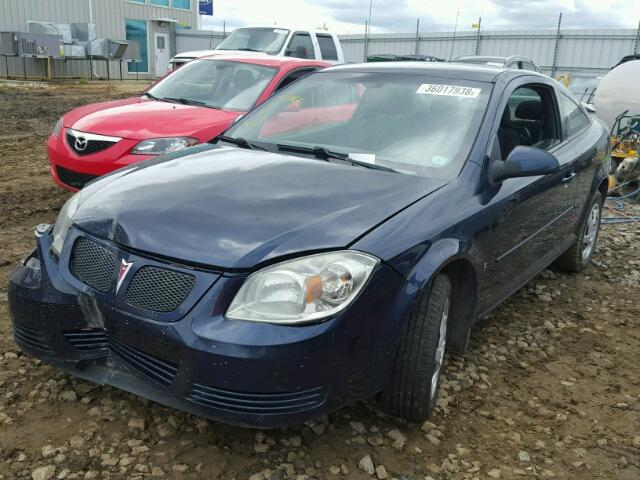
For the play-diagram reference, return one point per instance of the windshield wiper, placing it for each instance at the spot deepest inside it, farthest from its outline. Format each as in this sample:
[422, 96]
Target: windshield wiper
[322, 153]
[373, 166]
[187, 101]
[247, 49]
[152, 97]
[241, 142]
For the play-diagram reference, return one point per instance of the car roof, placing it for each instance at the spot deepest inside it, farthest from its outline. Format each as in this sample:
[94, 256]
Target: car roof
[268, 60]
[465, 71]
[293, 28]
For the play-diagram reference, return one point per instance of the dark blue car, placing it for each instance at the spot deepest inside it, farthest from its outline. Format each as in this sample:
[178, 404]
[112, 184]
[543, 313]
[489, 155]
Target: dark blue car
[331, 246]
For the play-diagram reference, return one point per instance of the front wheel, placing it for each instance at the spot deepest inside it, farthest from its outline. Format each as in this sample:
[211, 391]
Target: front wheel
[579, 254]
[413, 390]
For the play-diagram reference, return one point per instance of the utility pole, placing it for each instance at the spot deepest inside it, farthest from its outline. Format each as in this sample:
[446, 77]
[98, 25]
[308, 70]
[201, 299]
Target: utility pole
[555, 48]
[417, 36]
[367, 31]
[453, 39]
[366, 40]
[478, 37]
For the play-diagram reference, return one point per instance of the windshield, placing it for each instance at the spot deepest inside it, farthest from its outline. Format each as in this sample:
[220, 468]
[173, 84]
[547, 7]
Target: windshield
[216, 84]
[411, 123]
[267, 40]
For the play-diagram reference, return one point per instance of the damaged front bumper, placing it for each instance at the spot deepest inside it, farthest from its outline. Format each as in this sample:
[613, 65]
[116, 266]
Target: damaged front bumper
[193, 358]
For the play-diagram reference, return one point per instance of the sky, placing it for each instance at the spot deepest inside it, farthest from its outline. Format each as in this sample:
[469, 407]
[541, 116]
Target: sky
[399, 16]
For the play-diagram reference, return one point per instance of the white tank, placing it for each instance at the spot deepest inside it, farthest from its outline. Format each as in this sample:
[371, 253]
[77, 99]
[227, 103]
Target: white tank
[618, 91]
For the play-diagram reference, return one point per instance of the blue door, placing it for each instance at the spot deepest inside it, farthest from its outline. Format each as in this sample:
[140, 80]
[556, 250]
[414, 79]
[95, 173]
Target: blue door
[136, 31]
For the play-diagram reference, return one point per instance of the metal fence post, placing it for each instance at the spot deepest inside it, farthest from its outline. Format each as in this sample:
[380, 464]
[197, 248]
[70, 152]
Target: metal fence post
[555, 48]
[417, 36]
[366, 41]
[478, 37]
[637, 42]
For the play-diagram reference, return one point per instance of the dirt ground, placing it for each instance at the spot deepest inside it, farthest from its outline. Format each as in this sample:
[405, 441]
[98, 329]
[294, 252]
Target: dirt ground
[550, 386]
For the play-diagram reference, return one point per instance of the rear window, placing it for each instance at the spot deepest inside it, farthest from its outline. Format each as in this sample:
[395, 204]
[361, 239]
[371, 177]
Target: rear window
[327, 47]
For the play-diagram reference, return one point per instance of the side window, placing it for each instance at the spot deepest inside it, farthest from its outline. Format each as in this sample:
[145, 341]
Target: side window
[574, 120]
[300, 46]
[528, 119]
[327, 47]
[293, 76]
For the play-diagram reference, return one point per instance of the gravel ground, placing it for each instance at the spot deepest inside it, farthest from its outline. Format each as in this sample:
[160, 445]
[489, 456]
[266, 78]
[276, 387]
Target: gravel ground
[550, 386]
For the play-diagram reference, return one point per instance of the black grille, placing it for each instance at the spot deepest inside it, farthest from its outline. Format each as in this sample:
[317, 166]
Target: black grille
[158, 289]
[257, 403]
[92, 264]
[86, 340]
[92, 146]
[156, 369]
[31, 338]
[97, 340]
[75, 179]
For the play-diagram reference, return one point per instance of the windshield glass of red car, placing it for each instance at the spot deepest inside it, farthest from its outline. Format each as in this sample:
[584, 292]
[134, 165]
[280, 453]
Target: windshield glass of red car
[412, 123]
[267, 40]
[216, 83]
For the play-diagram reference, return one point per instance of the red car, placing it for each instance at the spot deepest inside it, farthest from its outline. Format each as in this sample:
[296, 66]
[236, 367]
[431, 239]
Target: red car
[191, 105]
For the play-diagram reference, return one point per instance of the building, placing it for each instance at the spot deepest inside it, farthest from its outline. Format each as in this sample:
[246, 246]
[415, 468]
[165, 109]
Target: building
[151, 23]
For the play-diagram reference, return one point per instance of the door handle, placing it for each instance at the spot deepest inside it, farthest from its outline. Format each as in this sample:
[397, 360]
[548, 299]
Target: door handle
[570, 176]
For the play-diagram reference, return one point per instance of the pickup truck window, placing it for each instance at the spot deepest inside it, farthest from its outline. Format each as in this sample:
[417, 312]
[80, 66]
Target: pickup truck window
[327, 47]
[300, 46]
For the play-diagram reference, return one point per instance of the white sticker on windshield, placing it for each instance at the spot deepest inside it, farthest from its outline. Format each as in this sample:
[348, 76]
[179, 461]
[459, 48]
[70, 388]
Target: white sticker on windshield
[448, 90]
[495, 64]
[363, 157]
[439, 160]
[280, 30]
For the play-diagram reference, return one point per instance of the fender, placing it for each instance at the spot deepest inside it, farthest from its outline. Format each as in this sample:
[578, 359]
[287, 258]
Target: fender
[434, 259]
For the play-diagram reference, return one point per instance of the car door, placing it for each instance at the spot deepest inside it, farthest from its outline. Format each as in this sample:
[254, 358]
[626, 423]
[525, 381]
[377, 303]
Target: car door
[577, 128]
[531, 217]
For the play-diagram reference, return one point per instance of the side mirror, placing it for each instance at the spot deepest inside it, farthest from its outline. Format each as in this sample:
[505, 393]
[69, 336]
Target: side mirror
[524, 162]
[299, 52]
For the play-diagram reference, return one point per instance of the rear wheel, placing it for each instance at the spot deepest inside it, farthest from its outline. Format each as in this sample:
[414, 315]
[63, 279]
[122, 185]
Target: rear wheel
[580, 253]
[413, 390]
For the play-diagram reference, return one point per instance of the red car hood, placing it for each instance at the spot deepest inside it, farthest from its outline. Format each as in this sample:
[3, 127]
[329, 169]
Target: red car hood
[139, 119]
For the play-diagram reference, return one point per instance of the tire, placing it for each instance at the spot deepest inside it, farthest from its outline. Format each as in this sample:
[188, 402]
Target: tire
[413, 389]
[579, 254]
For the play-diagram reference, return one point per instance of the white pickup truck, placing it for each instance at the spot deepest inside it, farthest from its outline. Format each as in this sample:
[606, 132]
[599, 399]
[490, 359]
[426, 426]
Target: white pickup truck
[276, 41]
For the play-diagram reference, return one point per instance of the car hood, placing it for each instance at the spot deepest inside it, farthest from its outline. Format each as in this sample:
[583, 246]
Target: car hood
[234, 209]
[139, 119]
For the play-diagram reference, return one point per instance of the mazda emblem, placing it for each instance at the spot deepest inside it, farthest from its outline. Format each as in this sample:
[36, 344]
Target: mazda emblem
[81, 143]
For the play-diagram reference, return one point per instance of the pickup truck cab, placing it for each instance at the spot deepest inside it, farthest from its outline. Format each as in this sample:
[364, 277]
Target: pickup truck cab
[274, 41]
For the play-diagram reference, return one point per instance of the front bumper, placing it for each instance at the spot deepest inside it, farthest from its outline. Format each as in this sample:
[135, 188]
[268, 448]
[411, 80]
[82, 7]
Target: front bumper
[242, 373]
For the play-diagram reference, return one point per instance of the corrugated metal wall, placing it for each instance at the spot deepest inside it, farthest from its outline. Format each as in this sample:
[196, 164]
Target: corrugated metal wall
[108, 15]
[187, 41]
[578, 50]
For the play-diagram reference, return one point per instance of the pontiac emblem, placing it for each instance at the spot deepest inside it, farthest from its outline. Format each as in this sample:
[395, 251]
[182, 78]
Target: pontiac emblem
[122, 273]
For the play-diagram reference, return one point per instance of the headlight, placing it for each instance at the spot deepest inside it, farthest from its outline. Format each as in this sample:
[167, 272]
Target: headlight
[303, 290]
[57, 127]
[65, 218]
[159, 146]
